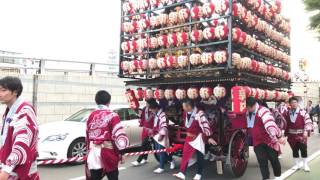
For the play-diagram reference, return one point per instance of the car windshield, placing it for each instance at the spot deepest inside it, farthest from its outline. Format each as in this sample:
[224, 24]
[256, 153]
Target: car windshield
[80, 116]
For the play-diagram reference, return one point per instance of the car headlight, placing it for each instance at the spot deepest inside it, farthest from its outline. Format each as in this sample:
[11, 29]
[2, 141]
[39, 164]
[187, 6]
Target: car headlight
[58, 137]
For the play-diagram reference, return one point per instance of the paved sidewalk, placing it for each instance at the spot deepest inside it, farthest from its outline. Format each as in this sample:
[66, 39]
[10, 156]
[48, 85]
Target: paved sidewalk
[313, 175]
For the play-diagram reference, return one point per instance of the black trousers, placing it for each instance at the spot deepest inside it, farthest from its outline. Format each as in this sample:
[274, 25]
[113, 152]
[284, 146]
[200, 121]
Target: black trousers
[145, 146]
[98, 174]
[264, 154]
[300, 147]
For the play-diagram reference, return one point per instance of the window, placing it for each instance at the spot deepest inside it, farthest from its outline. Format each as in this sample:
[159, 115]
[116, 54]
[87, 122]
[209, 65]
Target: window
[80, 116]
[123, 114]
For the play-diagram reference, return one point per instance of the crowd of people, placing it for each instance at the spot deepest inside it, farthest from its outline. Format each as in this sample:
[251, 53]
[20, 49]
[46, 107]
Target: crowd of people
[106, 138]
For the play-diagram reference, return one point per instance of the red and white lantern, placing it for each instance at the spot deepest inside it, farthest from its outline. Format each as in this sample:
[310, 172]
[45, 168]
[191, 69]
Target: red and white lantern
[237, 10]
[195, 59]
[148, 93]
[220, 57]
[236, 34]
[153, 63]
[183, 15]
[144, 4]
[125, 46]
[276, 6]
[171, 62]
[222, 6]
[143, 64]
[196, 36]
[132, 100]
[193, 93]
[143, 24]
[207, 58]
[196, 12]
[132, 46]
[125, 65]
[173, 18]
[221, 31]
[182, 38]
[163, 40]
[163, 19]
[133, 65]
[208, 9]
[181, 94]
[142, 44]
[172, 39]
[219, 92]
[208, 33]
[154, 21]
[127, 8]
[206, 92]
[183, 61]
[155, 3]
[139, 94]
[159, 94]
[153, 43]
[169, 94]
[162, 63]
[236, 60]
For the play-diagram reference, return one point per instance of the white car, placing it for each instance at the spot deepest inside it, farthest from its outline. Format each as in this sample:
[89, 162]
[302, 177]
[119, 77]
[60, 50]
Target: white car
[66, 139]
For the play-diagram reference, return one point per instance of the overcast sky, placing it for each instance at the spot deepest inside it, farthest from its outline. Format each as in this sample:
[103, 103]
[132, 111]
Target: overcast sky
[85, 30]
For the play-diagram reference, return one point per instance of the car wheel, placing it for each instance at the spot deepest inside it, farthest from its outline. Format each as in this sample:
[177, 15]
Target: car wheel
[77, 148]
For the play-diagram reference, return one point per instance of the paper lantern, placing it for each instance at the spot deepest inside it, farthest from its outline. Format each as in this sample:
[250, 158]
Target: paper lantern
[173, 18]
[163, 40]
[236, 60]
[236, 34]
[169, 94]
[250, 2]
[257, 4]
[196, 36]
[127, 8]
[153, 43]
[133, 65]
[270, 95]
[182, 61]
[172, 39]
[220, 57]
[154, 21]
[237, 10]
[155, 3]
[153, 63]
[143, 64]
[196, 12]
[132, 46]
[206, 92]
[193, 93]
[135, 4]
[238, 97]
[243, 37]
[139, 94]
[221, 6]
[277, 95]
[144, 4]
[159, 94]
[268, 14]
[247, 90]
[125, 46]
[182, 38]
[276, 6]
[163, 19]
[208, 33]
[207, 58]
[161, 63]
[208, 9]
[126, 27]
[221, 31]
[142, 44]
[181, 93]
[148, 93]
[132, 100]
[219, 92]
[260, 94]
[125, 65]
[171, 61]
[262, 9]
[143, 24]
[183, 15]
[195, 59]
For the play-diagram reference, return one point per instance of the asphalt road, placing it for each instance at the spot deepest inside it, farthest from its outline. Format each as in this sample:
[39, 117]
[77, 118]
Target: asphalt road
[127, 172]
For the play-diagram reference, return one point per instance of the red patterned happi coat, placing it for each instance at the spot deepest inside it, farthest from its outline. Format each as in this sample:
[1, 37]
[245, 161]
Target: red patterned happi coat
[103, 125]
[19, 140]
[298, 122]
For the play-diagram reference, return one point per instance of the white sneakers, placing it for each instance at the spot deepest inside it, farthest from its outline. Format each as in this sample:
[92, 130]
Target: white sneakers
[299, 165]
[306, 168]
[278, 178]
[136, 163]
[197, 177]
[180, 175]
[158, 171]
[172, 165]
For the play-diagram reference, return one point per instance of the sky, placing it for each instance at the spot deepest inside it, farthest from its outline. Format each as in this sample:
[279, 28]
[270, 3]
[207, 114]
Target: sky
[85, 30]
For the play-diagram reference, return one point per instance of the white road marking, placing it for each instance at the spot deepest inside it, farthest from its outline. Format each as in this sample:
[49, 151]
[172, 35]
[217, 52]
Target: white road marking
[83, 177]
[291, 171]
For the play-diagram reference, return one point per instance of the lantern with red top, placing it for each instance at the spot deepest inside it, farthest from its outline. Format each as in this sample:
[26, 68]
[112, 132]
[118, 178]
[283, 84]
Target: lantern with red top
[133, 102]
[139, 94]
[206, 92]
[159, 94]
[193, 93]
